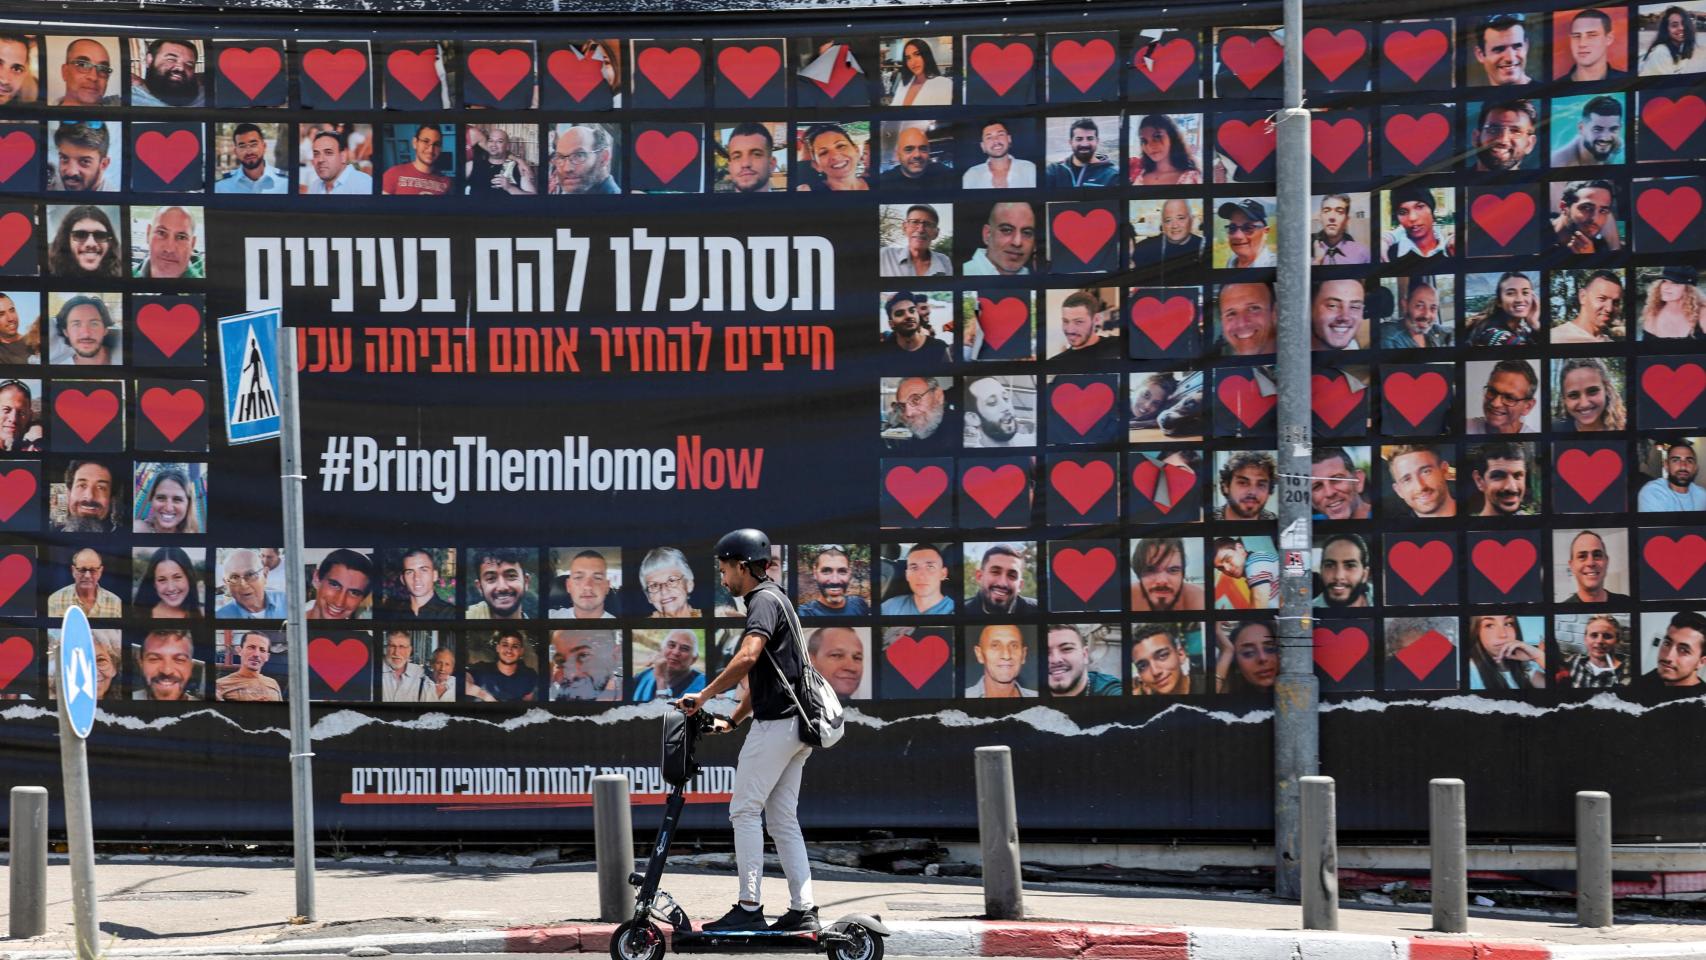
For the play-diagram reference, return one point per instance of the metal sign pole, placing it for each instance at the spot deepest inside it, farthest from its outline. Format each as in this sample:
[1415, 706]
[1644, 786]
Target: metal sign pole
[296, 600]
[76, 718]
[1296, 692]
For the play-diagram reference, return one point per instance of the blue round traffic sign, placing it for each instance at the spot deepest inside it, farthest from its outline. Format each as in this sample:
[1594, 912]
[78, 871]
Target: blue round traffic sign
[77, 684]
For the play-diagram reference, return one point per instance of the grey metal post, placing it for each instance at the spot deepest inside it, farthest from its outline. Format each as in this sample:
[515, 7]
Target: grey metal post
[1296, 692]
[613, 842]
[79, 836]
[28, 843]
[296, 602]
[1320, 874]
[1593, 858]
[1448, 856]
[998, 834]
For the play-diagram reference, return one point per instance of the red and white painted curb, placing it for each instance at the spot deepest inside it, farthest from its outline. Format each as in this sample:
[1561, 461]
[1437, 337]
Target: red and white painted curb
[943, 938]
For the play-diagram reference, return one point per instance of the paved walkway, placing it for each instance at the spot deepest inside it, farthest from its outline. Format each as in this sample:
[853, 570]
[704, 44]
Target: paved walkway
[494, 903]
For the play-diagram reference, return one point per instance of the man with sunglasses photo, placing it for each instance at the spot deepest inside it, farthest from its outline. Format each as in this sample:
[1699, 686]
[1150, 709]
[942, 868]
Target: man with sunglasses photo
[86, 72]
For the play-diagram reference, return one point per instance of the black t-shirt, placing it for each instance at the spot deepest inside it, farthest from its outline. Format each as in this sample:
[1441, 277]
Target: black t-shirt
[766, 616]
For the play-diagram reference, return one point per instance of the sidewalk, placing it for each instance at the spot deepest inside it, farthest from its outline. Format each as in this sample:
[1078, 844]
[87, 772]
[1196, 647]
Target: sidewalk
[495, 904]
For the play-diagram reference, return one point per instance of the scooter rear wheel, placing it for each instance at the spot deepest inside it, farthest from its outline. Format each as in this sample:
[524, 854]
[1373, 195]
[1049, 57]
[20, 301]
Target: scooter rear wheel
[636, 940]
[860, 944]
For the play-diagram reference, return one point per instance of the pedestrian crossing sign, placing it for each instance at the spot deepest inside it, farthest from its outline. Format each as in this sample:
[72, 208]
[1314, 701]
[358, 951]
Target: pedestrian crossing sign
[248, 350]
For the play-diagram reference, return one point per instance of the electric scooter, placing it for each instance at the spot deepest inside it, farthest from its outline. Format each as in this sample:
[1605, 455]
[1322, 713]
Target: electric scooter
[853, 937]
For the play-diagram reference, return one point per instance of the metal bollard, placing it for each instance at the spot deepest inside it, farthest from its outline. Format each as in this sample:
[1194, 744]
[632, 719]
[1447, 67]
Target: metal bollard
[1319, 877]
[998, 832]
[1448, 856]
[613, 843]
[1593, 858]
[29, 862]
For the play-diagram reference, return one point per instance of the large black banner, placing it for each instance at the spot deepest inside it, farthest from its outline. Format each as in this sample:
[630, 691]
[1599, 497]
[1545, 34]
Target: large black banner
[974, 315]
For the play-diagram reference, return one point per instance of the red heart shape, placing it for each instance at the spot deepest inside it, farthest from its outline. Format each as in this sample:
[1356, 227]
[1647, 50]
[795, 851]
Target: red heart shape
[1146, 477]
[15, 571]
[1082, 484]
[1672, 121]
[16, 149]
[17, 488]
[1166, 63]
[749, 70]
[1332, 399]
[995, 490]
[1248, 144]
[1589, 474]
[1242, 397]
[1163, 321]
[168, 329]
[666, 155]
[1415, 397]
[416, 70]
[1420, 564]
[1082, 64]
[577, 75]
[16, 654]
[1416, 137]
[1674, 390]
[1331, 144]
[500, 70]
[1334, 53]
[916, 658]
[1251, 60]
[337, 661]
[1677, 561]
[1502, 217]
[1414, 54]
[1000, 319]
[168, 155]
[839, 75]
[250, 70]
[1427, 652]
[670, 70]
[87, 414]
[1084, 233]
[1081, 406]
[1083, 571]
[335, 72]
[1505, 563]
[16, 229]
[1668, 212]
[172, 413]
[916, 490]
[1338, 652]
[1002, 66]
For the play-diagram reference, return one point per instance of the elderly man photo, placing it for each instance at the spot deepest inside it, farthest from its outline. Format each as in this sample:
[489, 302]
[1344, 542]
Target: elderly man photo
[1001, 651]
[580, 161]
[17, 413]
[401, 680]
[671, 672]
[921, 225]
[246, 585]
[1177, 241]
[918, 408]
[85, 590]
[1246, 232]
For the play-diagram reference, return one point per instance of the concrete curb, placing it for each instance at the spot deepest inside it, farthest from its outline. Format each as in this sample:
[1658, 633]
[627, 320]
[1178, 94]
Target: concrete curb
[956, 938]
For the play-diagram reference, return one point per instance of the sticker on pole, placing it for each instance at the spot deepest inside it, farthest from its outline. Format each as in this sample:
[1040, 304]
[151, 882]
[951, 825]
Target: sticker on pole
[248, 358]
[77, 671]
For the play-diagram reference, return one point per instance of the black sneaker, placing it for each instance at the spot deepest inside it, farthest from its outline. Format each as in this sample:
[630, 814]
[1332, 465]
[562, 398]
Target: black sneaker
[737, 920]
[798, 920]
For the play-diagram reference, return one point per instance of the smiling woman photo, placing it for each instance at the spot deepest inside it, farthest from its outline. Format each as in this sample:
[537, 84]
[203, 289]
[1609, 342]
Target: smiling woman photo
[168, 505]
[168, 587]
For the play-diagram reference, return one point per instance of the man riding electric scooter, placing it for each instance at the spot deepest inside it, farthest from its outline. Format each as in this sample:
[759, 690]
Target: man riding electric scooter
[767, 776]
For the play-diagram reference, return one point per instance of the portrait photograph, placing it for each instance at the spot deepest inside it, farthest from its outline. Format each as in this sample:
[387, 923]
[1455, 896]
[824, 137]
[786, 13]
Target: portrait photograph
[251, 158]
[586, 665]
[1083, 324]
[1165, 233]
[418, 583]
[335, 158]
[340, 583]
[1419, 481]
[1342, 577]
[1669, 303]
[417, 159]
[499, 158]
[86, 243]
[1166, 574]
[1502, 396]
[85, 155]
[1242, 234]
[917, 579]
[1339, 230]
[502, 666]
[1418, 222]
[916, 155]
[1671, 652]
[1589, 131]
[251, 666]
[1590, 565]
[834, 156]
[667, 664]
[1594, 651]
[917, 323]
[1245, 657]
[842, 655]
[1168, 660]
[1000, 661]
[83, 71]
[1081, 152]
[915, 239]
[750, 157]
[417, 666]
[85, 329]
[500, 584]
[586, 583]
[168, 72]
[1507, 653]
[20, 343]
[913, 414]
[583, 158]
[917, 71]
[1507, 48]
[1666, 41]
[1164, 149]
[170, 498]
[166, 664]
[1083, 659]
[1671, 468]
[1588, 394]
[1000, 411]
[1503, 309]
[168, 243]
[1168, 405]
[832, 580]
[1587, 306]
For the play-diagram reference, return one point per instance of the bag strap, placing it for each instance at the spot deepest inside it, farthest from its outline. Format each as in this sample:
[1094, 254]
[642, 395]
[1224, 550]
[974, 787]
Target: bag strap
[794, 622]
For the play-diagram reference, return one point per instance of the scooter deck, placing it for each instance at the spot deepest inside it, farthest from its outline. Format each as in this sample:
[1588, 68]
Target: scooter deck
[756, 941]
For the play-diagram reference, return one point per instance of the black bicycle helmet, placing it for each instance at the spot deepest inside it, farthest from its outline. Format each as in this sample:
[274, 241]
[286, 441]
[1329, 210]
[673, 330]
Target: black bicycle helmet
[747, 545]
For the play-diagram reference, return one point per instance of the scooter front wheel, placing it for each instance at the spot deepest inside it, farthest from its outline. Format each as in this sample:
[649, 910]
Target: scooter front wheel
[638, 940]
[859, 944]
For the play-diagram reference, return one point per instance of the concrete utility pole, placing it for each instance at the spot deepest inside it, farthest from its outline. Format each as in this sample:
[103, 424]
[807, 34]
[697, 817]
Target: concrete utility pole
[1296, 733]
[296, 632]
